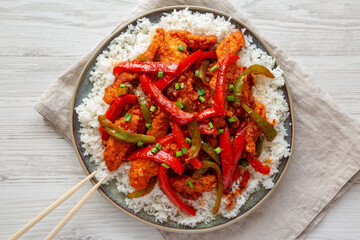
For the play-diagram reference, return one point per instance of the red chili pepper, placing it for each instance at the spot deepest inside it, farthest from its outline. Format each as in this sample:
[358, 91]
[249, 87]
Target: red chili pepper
[168, 107]
[238, 145]
[170, 138]
[226, 157]
[180, 140]
[206, 113]
[220, 83]
[114, 111]
[148, 67]
[165, 187]
[204, 55]
[257, 165]
[183, 65]
[205, 129]
[160, 156]
[245, 178]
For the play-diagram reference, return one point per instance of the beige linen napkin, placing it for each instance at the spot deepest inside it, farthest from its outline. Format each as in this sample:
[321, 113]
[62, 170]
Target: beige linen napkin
[325, 160]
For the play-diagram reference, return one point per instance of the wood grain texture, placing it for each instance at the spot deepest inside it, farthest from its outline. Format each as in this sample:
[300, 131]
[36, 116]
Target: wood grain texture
[39, 39]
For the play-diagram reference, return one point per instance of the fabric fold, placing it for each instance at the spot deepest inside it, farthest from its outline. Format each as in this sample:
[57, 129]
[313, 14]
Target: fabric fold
[324, 162]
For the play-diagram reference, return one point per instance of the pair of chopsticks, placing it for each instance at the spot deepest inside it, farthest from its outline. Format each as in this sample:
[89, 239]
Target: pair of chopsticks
[57, 203]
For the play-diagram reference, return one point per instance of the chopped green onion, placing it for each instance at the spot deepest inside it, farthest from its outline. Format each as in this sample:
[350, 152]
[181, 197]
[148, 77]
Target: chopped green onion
[231, 98]
[202, 99]
[231, 88]
[182, 85]
[128, 117]
[214, 68]
[177, 86]
[188, 140]
[197, 73]
[211, 125]
[184, 150]
[165, 165]
[123, 86]
[232, 119]
[179, 104]
[158, 146]
[221, 130]
[244, 162]
[179, 153]
[148, 125]
[201, 92]
[154, 150]
[218, 150]
[160, 74]
[181, 48]
[190, 184]
[140, 143]
[152, 108]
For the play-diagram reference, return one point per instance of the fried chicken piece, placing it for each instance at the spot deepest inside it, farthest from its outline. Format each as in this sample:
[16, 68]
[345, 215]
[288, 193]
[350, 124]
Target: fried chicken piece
[195, 42]
[180, 184]
[115, 150]
[159, 126]
[111, 92]
[230, 45]
[253, 131]
[141, 171]
[157, 40]
[169, 51]
[151, 52]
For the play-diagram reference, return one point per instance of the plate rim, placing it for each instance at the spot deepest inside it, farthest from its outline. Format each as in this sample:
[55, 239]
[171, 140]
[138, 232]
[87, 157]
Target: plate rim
[93, 57]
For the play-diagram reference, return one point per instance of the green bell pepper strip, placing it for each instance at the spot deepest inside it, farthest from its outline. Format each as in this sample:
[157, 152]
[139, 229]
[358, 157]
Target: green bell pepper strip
[259, 146]
[255, 69]
[219, 185]
[203, 70]
[143, 104]
[145, 191]
[210, 151]
[121, 134]
[264, 125]
[196, 139]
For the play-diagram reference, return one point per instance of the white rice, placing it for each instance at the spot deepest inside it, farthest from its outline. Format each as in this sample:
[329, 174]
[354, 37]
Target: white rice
[135, 41]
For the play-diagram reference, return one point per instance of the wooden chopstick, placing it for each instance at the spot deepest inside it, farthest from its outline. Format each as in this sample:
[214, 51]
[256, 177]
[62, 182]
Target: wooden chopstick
[74, 210]
[51, 207]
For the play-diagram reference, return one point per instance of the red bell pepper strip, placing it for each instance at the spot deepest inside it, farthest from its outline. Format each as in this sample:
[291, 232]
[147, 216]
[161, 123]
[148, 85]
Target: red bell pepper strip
[220, 83]
[178, 134]
[160, 156]
[169, 108]
[180, 140]
[257, 165]
[226, 157]
[114, 111]
[196, 163]
[205, 129]
[206, 113]
[245, 178]
[165, 187]
[170, 138]
[236, 173]
[204, 55]
[148, 67]
[238, 145]
[183, 65]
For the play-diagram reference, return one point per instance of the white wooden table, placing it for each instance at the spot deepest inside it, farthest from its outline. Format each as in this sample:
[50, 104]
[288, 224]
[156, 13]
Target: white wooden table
[39, 39]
